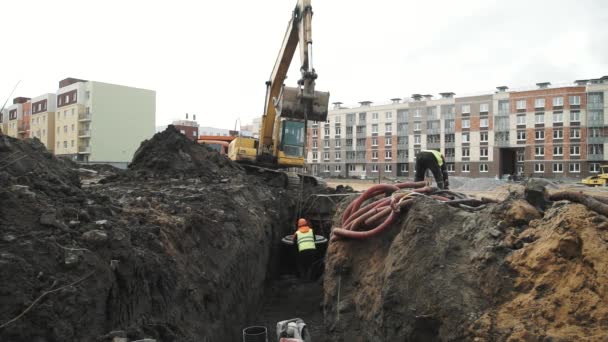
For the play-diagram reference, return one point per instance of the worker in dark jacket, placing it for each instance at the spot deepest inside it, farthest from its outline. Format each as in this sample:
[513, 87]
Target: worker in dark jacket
[434, 161]
[304, 237]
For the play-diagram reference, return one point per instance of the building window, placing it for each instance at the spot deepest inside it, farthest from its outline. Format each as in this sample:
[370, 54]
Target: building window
[338, 130]
[558, 168]
[483, 137]
[326, 143]
[466, 152]
[388, 141]
[315, 132]
[539, 135]
[65, 129]
[594, 168]
[451, 167]
[575, 133]
[315, 144]
[338, 156]
[466, 123]
[575, 100]
[388, 127]
[326, 131]
[466, 168]
[539, 103]
[65, 144]
[72, 127]
[520, 157]
[539, 168]
[417, 113]
[558, 101]
[521, 104]
[326, 168]
[374, 141]
[558, 117]
[374, 116]
[483, 122]
[338, 168]
[596, 149]
[521, 119]
[539, 118]
[403, 167]
[315, 156]
[375, 128]
[416, 126]
[375, 155]
[388, 168]
[575, 116]
[595, 132]
[484, 108]
[417, 139]
[539, 151]
[575, 150]
[351, 167]
[388, 154]
[558, 151]
[466, 137]
[388, 115]
[374, 167]
[483, 167]
[72, 143]
[558, 134]
[574, 167]
[521, 135]
[483, 152]
[466, 109]
[325, 155]
[338, 143]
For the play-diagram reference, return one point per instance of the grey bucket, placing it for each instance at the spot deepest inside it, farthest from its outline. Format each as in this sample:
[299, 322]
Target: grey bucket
[255, 333]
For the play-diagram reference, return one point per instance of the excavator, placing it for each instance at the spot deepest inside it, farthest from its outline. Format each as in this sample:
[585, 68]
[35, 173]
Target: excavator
[287, 110]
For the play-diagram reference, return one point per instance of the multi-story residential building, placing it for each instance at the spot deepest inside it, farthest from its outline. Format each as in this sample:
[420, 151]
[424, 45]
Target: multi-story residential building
[550, 131]
[42, 123]
[102, 122]
[86, 121]
[4, 120]
[17, 112]
[189, 128]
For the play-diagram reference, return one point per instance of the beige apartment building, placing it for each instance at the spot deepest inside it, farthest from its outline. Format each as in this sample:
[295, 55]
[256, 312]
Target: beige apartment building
[42, 122]
[4, 120]
[86, 121]
[542, 131]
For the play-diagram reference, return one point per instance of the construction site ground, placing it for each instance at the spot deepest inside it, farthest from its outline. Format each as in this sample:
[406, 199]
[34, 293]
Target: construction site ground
[186, 245]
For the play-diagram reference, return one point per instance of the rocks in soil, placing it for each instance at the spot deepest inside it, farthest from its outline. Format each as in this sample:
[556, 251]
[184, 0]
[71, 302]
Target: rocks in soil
[176, 254]
[505, 273]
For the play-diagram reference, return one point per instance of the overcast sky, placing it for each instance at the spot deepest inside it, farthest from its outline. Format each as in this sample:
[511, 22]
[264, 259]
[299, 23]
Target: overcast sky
[212, 58]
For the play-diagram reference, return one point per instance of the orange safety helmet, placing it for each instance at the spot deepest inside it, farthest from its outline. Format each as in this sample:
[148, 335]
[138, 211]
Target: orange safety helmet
[302, 223]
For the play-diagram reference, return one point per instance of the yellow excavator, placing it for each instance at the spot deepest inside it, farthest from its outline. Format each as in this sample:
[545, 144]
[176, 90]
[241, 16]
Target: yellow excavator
[282, 139]
[598, 180]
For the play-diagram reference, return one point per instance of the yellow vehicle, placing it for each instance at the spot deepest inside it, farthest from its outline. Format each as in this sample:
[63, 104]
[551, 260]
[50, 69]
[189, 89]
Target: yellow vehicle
[598, 180]
[282, 138]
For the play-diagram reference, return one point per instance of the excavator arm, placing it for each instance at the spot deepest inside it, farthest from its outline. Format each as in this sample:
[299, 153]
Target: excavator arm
[286, 104]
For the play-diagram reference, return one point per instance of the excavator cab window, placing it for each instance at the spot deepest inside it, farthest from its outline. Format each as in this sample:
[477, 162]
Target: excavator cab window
[292, 138]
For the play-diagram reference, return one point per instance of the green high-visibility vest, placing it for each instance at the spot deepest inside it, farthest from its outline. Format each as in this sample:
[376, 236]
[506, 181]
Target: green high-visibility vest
[437, 155]
[306, 240]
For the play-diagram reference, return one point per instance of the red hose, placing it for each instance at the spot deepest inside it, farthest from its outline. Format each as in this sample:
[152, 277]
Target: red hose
[383, 211]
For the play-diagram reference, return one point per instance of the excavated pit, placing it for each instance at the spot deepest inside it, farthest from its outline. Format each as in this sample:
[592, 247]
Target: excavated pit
[504, 273]
[183, 246]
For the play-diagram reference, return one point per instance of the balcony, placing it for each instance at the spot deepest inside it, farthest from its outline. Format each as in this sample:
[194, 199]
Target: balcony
[596, 140]
[433, 145]
[502, 143]
[595, 123]
[449, 144]
[449, 159]
[84, 133]
[84, 117]
[449, 130]
[84, 149]
[595, 157]
[23, 128]
[433, 131]
[360, 160]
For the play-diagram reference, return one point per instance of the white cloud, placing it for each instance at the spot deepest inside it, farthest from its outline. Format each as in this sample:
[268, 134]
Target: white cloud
[213, 59]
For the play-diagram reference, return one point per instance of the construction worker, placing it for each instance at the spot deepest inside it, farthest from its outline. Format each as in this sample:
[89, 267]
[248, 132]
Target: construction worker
[304, 238]
[434, 161]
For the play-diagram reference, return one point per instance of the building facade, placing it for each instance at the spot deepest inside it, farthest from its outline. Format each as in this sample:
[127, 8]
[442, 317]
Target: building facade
[86, 121]
[549, 131]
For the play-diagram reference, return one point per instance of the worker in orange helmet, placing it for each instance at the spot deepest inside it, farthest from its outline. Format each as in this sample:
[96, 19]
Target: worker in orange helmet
[304, 238]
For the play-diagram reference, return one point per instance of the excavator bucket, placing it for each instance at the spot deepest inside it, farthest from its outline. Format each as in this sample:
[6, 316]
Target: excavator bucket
[292, 105]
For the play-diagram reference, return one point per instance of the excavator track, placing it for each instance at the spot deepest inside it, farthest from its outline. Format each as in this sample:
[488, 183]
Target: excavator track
[285, 179]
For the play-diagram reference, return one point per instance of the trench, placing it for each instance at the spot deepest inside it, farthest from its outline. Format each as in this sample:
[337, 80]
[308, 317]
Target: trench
[286, 295]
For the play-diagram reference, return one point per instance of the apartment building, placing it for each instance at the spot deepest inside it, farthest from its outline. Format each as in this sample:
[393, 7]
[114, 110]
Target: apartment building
[42, 121]
[86, 121]
[4, 120]
[547, 131]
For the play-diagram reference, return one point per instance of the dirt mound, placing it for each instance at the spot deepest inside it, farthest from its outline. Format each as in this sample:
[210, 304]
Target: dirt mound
[180, 258]
[503, 273]
[560, 283]
[28, 163]
[171, 154]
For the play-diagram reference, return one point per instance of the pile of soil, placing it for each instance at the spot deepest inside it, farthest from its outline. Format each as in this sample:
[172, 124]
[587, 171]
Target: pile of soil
[507, 272]
[179, 254]
[171, 154]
